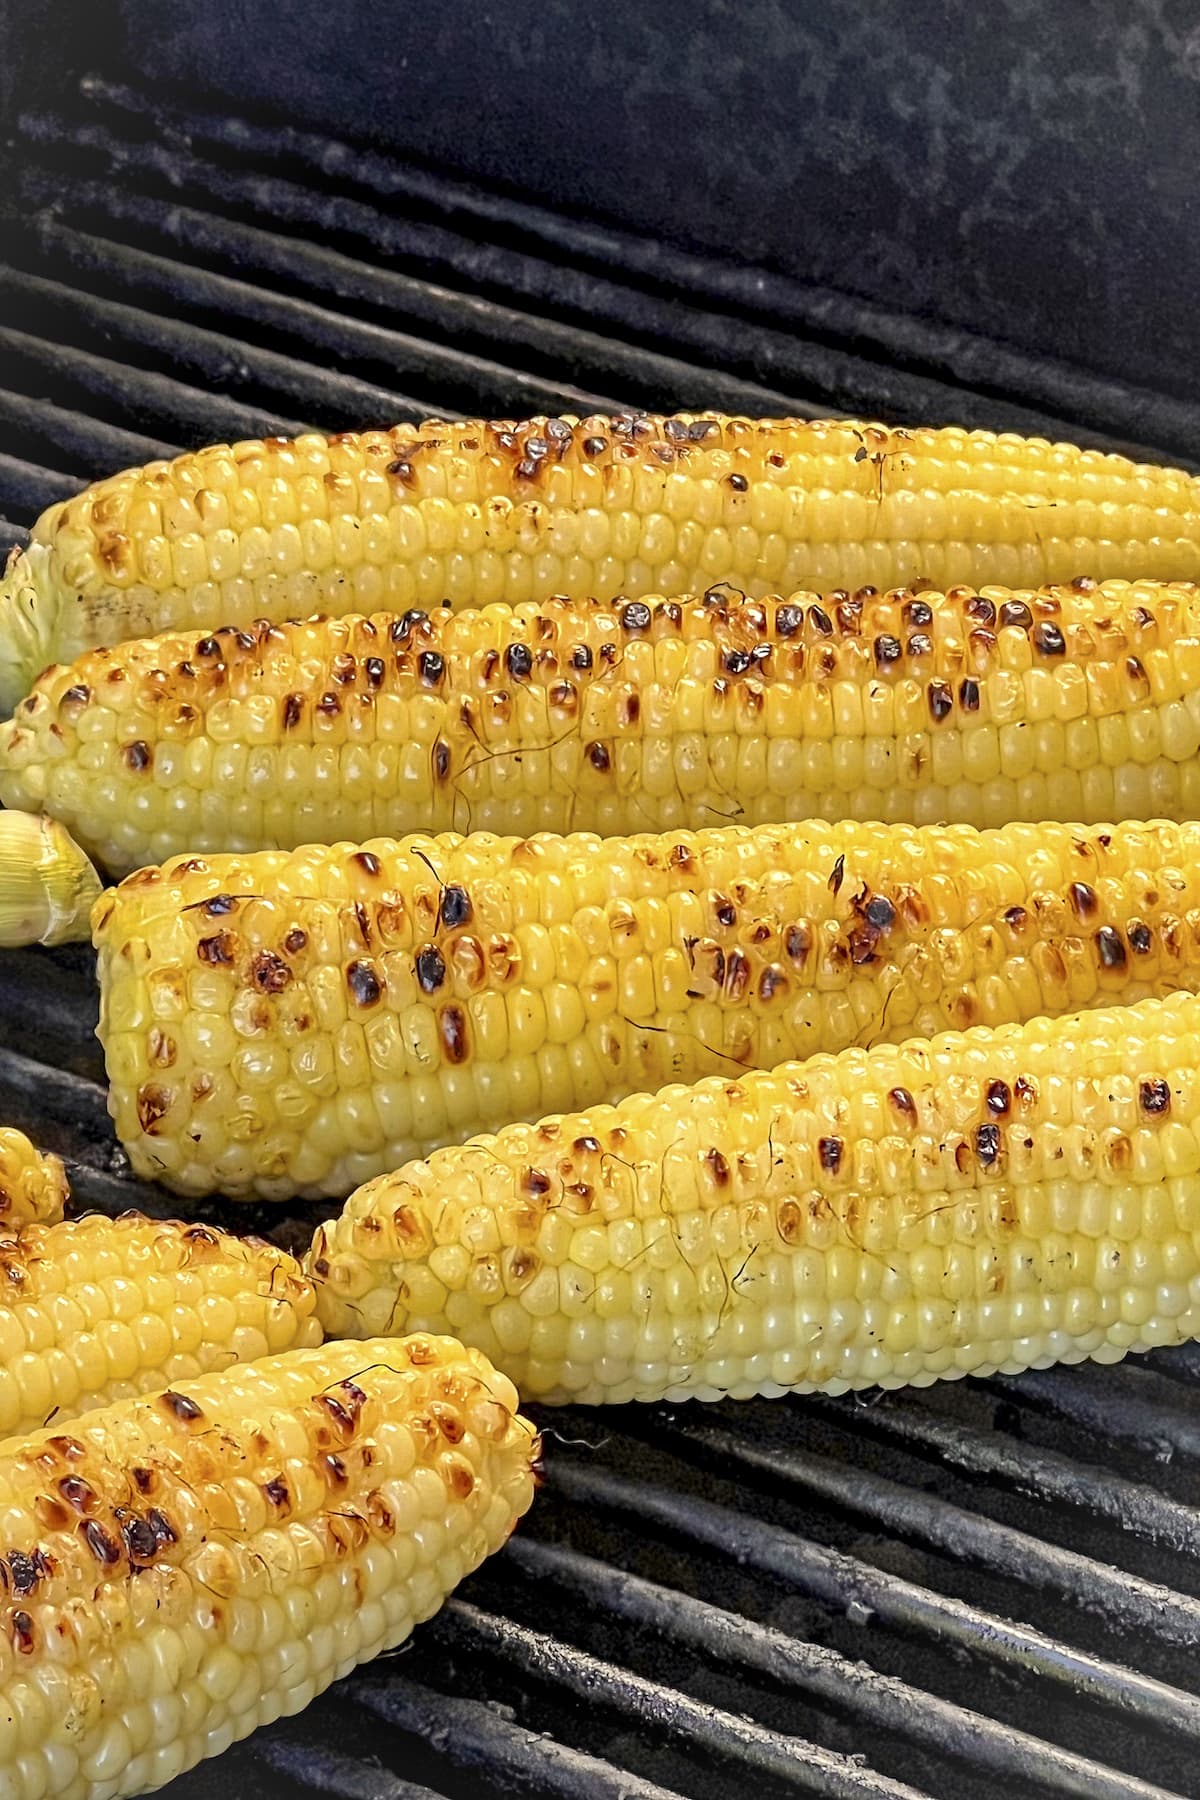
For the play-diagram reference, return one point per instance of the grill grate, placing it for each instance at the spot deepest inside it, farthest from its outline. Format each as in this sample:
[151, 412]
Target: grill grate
[989, 1588]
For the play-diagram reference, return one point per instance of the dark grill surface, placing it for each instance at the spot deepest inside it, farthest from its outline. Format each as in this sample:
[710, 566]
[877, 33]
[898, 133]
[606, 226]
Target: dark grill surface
[985, 1589]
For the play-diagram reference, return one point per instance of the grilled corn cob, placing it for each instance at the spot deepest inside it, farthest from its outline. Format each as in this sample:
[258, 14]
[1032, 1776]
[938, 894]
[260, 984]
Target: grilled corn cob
[33, 1184]
[98, 1310]
[479, 512]
[990, 1200]
[1070, 703]
[182, 1569]
[47, 884]
[297, 1023]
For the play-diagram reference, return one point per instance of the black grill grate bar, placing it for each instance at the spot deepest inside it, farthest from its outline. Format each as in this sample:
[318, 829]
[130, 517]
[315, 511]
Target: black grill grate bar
[37, 425]
[496, 1749]
[1126, 1602]
[1098, 1401]
[313, 1766]
[1040, 1474]
[769, 363]
[649, 375]
[850, 1587]
[755, 1751]
[27, 489]
[12, 536]
[135, 397]
[949, 357]
[442, 369]
[883, 1702]
[214, 360]
[1181, 1363]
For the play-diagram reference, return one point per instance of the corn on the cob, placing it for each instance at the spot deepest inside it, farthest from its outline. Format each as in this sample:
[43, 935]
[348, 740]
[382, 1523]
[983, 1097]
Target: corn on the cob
[182, 1569]
[990, 1200]
[297, 1023]
[478, 512]
[33, 1184]
[98, 1310]
[1069, 703]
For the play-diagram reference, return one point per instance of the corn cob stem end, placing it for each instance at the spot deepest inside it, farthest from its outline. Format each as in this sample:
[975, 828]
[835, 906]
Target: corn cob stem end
[26, 626]
[47, 885]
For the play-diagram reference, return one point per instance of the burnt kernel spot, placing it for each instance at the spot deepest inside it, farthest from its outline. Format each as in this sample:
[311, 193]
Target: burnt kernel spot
[902, 1102]
[153, 1102]
[219, 905]
[431, 667]
[218, 949]
[269, 973]
[941, 701]
[24, 1572]
[595, 446]
[1110, 949]
[718, 1167]
[293, 708]
[879, 912]
[917, 614]
[586, 1146]
[736, 662]
[998, 1098]
[1154, 1096]
[988, 1144]
[523, 1265]
[276, 1491]
[431, 968]
[631, 708]
[363, 982]
[295, 941]
[1048, 640]
[403, 471]
[1084, 900]
[798, 942]
[329, 706]
[209, 646]
[1135, 668]
[77, 1492]
[725, 912]
[919, 644]
[581, 657]
[161, 1526]
[837, 875]
[453, 1025]
[1025, 1089]
[888, 651]
[401, 629]
[138, 756]
[441, 759]
[335, 1470]
[367, 861]
[979, 610]
[536, 1182]
[737, 482]
[788, 620]
[829, 1154]
[518, 660]
[1015, 612]
[737, 975]
[180, 1407]
[1016, 918]
[598, 756]
[140, 1540]
[23, 1633]
[771, 981]
[849, 616]
[1084, 584]
[456, 906]
[636, 616]
[104, 1548]
[343, 668]
[968, 695]
[1139, 938]
[820, 621]
[374, 667]
[342, 1418]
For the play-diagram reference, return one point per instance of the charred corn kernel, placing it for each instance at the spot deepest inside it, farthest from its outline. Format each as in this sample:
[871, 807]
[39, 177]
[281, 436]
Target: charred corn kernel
[296, 1023]
[1079, 702]
[97, 1310]
[33, 1183]
[994, 1200]
[466, 512]
[188, 1567]
[47, 884]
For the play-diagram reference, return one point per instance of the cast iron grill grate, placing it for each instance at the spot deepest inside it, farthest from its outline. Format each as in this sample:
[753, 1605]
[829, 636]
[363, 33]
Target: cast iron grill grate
[987, 1588]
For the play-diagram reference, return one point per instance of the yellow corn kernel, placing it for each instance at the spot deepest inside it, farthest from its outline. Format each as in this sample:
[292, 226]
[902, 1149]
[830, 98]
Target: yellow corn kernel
[196, 1564]
[283, 529]
[976, 1203]
[97, 1310]
[33, 1184]
[297, 1022]
[1078, 702]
